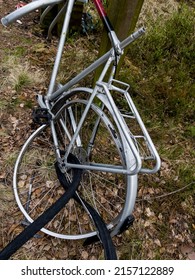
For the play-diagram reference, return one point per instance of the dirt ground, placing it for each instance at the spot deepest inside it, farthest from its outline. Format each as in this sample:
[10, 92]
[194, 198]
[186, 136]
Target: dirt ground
[16, 124]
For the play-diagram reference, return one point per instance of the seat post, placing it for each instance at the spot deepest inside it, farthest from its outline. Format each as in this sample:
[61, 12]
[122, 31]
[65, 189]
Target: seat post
[60, 47]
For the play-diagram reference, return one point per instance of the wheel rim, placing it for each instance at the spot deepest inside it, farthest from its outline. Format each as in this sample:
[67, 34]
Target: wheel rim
[35, 170]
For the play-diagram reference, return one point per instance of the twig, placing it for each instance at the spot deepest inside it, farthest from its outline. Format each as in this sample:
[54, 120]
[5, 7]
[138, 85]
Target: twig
[165, 195]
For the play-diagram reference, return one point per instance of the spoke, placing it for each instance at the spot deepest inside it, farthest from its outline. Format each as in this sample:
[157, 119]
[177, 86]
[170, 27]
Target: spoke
[42, 198]
[77, 217]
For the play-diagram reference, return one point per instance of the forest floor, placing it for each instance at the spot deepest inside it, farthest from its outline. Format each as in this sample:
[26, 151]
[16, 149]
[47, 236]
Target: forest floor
[165, 219]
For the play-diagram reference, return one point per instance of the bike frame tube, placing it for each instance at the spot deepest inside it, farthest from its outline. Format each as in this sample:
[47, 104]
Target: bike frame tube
[109, 28]
[100, 8]
[95, 65]
[103, 15]
[17, 14]
[61, 46]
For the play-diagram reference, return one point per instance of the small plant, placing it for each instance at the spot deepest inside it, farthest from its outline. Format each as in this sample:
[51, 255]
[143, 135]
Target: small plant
[19, 74]
[21, 81]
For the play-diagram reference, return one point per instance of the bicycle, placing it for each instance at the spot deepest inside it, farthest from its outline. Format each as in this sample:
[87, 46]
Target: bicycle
[84, 129]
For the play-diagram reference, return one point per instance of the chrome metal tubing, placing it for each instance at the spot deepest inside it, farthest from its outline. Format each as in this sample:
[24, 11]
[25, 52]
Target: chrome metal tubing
[95, 65]
[17, 14]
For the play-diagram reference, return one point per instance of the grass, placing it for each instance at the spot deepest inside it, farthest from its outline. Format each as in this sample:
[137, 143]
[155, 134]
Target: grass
[165, 57]
[20, 74]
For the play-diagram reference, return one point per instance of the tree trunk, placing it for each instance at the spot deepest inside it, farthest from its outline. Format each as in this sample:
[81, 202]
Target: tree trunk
[123, 15]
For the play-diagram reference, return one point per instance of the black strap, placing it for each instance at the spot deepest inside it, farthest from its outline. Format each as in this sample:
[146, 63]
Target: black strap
[103, 232]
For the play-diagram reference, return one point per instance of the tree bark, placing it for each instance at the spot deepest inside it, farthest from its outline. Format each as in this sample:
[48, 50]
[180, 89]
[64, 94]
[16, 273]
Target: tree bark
[123, 15]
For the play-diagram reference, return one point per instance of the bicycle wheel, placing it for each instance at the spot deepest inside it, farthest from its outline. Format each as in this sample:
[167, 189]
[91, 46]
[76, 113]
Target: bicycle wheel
[36, 185]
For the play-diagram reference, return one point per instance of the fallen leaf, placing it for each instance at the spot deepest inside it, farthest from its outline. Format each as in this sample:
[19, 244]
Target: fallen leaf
[157, 242]
[188, 251]
[84, 255]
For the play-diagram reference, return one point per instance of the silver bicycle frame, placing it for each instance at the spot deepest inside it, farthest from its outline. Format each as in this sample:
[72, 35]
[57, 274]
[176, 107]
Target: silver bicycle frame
[53, 95]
